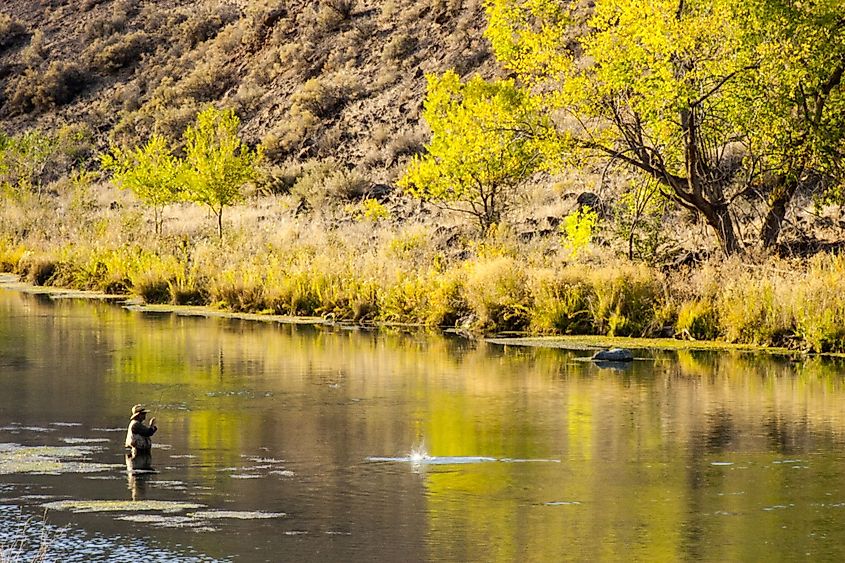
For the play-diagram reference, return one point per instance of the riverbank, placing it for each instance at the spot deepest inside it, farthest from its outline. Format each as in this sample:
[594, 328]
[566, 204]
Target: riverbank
[586, 343]
[418, 268]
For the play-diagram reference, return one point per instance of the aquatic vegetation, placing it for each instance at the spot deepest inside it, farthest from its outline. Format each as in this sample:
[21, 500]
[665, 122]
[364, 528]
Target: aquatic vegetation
[85, 440]
[23, 538]
[236, 514]
[18, 428]
[256, 459]
[162, 521]
[49, 460]
[87, 506]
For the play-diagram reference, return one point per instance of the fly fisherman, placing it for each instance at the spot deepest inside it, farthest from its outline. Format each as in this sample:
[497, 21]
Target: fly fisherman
[138, 436]
[139, 461]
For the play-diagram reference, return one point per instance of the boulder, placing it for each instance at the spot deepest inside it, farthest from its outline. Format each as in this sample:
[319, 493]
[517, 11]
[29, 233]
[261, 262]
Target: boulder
[589, 199]
[613, 355]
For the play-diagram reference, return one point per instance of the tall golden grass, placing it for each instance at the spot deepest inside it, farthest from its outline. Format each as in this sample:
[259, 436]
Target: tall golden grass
[373, 271]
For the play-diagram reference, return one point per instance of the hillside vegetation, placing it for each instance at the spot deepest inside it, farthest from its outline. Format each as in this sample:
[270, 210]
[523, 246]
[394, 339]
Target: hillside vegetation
[337, 78]
[589, 167]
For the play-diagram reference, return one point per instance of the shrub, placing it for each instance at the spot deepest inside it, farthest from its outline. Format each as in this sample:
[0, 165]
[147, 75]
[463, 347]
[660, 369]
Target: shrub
[151, 287]
[188, 288]
[10, 31]
[322, 184]
[31, 160]
[561, 304]
[38, 270]
[405, 300]
[578, 228]
[317, 97]
[333, 13]
[291, 134]
[208, 81]
[56, 86]
[343, 8]
[206, 24]
[407, 143]
[10, 255]
[373, 210]
[819, 305]
[35, 52]
[399, 46]
[496, 293]
[86, 5]
[104, 26]
[626, 300]
[151, 275]
[121, 52]
[751, 312]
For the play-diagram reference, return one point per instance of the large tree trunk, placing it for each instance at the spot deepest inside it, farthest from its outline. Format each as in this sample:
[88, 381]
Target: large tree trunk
[725, 230]
[780, 198]
[719, 217]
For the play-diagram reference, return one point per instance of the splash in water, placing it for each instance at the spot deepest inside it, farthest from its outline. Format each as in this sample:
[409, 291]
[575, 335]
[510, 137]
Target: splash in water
[419, 455]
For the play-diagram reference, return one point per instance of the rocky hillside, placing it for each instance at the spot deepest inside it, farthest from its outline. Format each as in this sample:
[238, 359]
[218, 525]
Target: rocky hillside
[309, 79]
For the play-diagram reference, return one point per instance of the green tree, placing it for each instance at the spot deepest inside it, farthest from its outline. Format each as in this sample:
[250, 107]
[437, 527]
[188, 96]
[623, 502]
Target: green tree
[794, 113]
[485, 143]
[710, 99]
[25, 160]
[638, 216]
[151, 172]
[218, 163]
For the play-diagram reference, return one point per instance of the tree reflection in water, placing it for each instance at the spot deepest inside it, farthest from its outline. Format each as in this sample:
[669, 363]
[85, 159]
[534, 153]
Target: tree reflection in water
[679, 457]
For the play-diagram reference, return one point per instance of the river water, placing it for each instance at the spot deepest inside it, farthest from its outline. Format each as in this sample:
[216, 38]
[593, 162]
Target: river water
[297, 443]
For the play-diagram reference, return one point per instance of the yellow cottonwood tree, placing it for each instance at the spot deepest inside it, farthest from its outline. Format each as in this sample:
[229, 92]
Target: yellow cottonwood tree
[486, 141]
[714, 100]
[217, 163]
[151, 172]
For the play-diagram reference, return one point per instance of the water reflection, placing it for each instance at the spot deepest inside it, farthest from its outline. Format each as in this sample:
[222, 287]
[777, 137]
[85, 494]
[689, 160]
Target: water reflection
[681, 456]
[139, 467]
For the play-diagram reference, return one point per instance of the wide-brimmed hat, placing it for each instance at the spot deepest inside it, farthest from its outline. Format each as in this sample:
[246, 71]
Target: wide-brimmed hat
[137, 410]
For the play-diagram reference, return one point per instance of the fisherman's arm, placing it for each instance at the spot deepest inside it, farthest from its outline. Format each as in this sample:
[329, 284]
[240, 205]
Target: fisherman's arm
[142, 429]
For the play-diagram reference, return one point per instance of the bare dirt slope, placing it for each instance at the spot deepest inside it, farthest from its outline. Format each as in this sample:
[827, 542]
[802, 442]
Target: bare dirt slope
[328, 78]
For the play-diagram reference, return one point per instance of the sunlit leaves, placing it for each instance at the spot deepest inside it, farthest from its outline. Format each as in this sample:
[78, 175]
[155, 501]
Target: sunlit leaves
[151, 172]
[486, 140]
[218, 163]
[216, 166]
[678, 90]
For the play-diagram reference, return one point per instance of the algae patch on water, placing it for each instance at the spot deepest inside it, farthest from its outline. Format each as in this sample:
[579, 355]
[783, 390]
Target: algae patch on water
[161, 521]
[75, 441]
[49, 460]
[236, 514]
[87, 506]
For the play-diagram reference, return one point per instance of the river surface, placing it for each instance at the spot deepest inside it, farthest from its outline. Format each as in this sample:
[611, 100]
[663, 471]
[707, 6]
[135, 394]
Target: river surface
[297, 443]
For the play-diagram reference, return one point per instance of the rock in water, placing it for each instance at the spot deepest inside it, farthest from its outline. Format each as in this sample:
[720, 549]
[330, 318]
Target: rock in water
[614, 355]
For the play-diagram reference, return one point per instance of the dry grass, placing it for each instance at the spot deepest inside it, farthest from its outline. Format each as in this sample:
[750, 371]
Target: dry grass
[374, 270]
[21, 549]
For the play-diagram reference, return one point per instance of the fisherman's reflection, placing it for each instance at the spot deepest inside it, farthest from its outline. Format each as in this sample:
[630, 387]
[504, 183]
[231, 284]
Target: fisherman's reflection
[139, 467]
